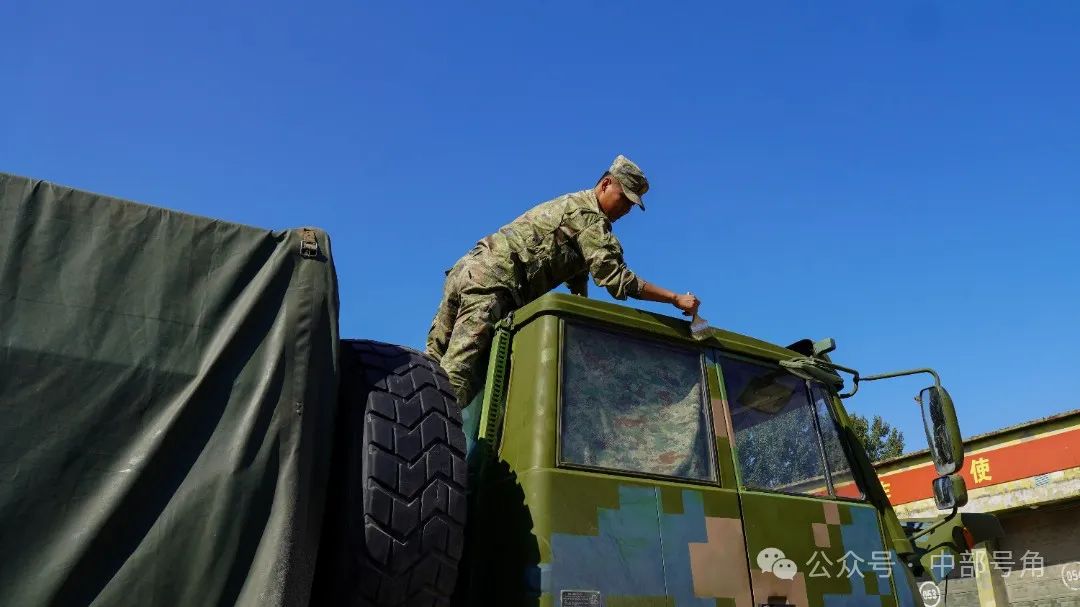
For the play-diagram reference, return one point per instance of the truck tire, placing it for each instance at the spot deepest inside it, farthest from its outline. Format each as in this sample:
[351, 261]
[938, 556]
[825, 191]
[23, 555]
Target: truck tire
[394, 532]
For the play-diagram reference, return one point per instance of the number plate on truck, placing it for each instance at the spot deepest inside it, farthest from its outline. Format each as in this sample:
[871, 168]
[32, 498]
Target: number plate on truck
[580, 598]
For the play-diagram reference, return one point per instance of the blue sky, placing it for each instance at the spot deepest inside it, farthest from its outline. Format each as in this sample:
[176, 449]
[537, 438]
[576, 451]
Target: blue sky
[902, 176]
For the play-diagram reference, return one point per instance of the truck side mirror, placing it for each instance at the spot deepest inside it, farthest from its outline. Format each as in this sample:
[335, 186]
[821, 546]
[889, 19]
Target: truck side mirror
[942, 430]
[950, 492]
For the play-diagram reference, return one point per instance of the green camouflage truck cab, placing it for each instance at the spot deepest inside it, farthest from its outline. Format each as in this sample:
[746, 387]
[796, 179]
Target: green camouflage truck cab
[619, 462]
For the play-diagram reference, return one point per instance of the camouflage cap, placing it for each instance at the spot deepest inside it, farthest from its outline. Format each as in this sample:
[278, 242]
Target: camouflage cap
[632, 179]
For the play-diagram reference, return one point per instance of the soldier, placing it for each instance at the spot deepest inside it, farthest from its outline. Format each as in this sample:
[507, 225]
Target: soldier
[562, 240]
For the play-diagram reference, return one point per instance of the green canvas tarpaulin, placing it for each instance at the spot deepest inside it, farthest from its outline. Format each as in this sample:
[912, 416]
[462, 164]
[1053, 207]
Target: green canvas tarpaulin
[167, 388]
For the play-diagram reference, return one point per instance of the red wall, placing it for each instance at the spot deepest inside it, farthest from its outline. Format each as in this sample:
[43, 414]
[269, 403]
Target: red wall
[1036, 455]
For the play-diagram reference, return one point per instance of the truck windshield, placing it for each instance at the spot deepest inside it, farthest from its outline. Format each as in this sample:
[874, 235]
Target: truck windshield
[633, 405]
[786, 437]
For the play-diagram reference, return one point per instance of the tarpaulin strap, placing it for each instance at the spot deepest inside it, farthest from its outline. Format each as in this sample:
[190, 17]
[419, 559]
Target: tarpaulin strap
[309, 245]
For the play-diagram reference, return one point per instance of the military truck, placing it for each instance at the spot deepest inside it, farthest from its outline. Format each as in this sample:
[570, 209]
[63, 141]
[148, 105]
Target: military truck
[184, 426]
[614, 459]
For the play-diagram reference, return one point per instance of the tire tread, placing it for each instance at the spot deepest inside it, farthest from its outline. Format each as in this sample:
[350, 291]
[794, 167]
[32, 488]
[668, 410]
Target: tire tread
[405, 538]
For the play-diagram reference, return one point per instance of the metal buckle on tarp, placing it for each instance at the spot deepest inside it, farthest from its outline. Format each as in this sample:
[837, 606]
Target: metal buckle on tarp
[309, 245]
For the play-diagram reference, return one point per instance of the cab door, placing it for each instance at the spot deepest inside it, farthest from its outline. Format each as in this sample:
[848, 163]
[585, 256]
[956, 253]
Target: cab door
[637, 503]
[811, 538]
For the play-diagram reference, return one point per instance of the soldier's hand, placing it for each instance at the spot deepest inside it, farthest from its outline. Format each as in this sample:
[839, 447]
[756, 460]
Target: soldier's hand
[687, 303]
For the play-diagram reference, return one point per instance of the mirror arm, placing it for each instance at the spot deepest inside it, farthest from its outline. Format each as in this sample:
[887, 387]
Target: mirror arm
[947, 518]
[855, 378]
[937, 379]
[854, 382]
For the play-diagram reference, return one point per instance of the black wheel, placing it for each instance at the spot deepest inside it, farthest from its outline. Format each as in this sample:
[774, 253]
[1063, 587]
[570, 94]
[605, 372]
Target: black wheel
[395, 514]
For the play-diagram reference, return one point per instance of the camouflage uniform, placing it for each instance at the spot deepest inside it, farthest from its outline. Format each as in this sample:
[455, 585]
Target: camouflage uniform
[559, 241]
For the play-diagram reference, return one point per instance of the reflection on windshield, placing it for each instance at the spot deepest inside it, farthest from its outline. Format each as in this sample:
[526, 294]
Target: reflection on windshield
[633, 405]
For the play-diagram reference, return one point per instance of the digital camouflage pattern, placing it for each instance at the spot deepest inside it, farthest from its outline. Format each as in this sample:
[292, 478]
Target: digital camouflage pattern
[560, 241]
[634, 406]
[463, 325]
[693, 547]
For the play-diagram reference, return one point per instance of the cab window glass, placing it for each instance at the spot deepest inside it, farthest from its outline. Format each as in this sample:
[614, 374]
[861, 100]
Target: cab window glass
[633, 405]
[839, 468]
[776, 438]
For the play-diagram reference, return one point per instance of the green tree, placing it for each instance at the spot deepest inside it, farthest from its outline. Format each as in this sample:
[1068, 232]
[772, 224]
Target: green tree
[881, 440]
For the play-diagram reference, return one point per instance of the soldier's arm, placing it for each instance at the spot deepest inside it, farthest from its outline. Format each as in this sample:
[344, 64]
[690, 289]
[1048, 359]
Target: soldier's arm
[604, 260]
[688, 302]
[604, 257]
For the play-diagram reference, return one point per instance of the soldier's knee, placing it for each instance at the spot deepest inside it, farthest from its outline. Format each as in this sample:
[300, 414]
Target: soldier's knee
[463, 388]
[466, 375]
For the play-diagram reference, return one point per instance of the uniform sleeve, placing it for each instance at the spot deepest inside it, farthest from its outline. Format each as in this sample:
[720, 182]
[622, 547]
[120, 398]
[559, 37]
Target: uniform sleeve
[604, 259]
